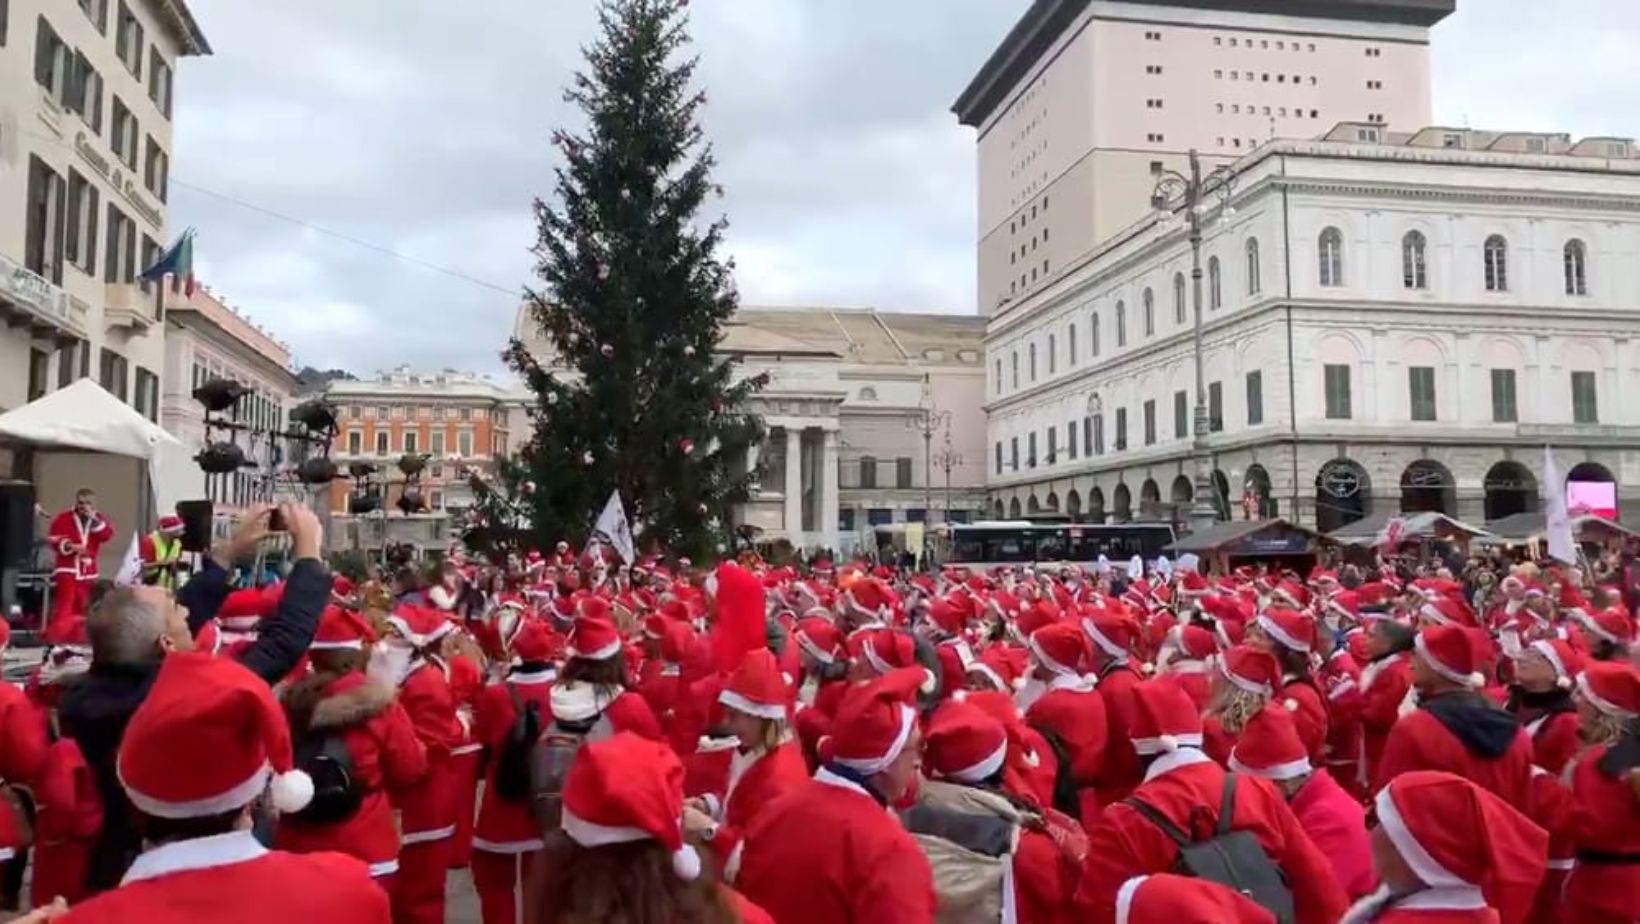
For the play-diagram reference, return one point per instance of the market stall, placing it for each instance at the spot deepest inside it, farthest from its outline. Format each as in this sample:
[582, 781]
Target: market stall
[1228, 546]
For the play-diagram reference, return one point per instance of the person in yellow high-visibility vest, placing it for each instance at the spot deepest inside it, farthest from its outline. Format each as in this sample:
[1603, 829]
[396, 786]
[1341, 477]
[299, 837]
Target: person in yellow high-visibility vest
[161, 552]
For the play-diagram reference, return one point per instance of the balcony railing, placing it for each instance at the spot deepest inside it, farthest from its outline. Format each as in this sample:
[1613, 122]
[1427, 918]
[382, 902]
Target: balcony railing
[28, 299]
[126, 305]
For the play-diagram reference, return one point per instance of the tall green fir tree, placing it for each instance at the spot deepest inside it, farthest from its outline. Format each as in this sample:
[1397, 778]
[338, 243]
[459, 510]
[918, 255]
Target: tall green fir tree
[635, 396]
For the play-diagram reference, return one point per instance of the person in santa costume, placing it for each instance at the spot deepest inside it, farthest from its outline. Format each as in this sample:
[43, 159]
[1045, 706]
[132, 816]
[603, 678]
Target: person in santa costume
[1545, 673]
[1270, 748]
[409, 659]
[76, 536]
[338, 699]
[1244, 680]
[965, 754]
[1184, 656]
[591, 691]
[1184, 786]
[831, 852]
[465, 667]
[1455, 728]
[1113, 635]
[197, 757]
[1386, 680]
[23, 753]
[1604, 830]
[1448, 852]
[823, 659]
[1164, 898]
[506, 833]
[1291, 636]
[68, 812]
[621, 855]
[1069, 714]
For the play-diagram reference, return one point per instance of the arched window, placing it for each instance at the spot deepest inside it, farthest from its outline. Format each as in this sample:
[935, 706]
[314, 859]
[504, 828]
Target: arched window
[1053, 354]
[1215, 290]
[1414, 263]
[1070, 341]
[1497, 264]
[1178, 298]
[1032, 352]
[1150, 313]
[1577, 276]
[1093, 327]
[1253, 281]
[1121, 325]
[1331, 251]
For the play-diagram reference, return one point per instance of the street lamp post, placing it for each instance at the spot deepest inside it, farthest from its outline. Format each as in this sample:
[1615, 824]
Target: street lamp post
[928, 420]
[946, 460]
[1192, 190]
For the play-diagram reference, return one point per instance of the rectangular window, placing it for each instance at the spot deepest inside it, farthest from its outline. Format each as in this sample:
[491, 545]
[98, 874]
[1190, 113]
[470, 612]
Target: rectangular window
[1150, 422]
[120, 257]
[1087, 436]
[1337, 384]
[1215, 407]
[85, 93]
[146, 396]
[355, 442]
[902, 472]
[43, 241]
[69, 357]
[410, 440]
[95, 10]
[1030, 450]
[435, 442]
[1181, 415]
[1013, 453]
[159, 82]
[1505, 408]
[113, 374]
[464, 444]
[1121, 429]
[123, 133]
[1053, 445]
[53, 63]
[83, 206]
[128, 40]
[1421, 392]
[1255, 398]
[1098, 434]
[1585, 401]
[999, 457]
[381, 442]
[1070, 439]
[156, 170]
[39, 373]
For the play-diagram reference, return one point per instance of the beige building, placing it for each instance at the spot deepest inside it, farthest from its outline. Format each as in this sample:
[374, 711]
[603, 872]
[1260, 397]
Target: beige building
[852, 395]
[205, 338]
[1085, 101]
[86, 101]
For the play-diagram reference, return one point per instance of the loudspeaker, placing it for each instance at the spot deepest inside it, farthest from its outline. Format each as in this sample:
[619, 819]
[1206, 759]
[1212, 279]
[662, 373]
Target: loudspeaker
[16, 524]
[197, 516]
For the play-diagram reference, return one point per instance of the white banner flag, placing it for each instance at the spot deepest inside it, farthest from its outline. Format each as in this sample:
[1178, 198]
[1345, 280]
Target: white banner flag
[130, 573]
[613, 526]
[1557, 525]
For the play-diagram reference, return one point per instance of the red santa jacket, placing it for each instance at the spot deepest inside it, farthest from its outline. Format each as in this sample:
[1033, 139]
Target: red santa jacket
[1384, 685]
[1310, 716]
[1076, 715]
[22, 752]
[427, 806]
[230, 877]
[66, 531]
[755, 779]
[1187, 788]
[830, 853]
[504, 826]
[954, 656]
[385, 752]
[1432, 906]
[1482, 744]
[1119, 687]
[1605, 836]
[1192, 677]
[1337, 824]
[65, 796]
[1554, 740]
[466, 683]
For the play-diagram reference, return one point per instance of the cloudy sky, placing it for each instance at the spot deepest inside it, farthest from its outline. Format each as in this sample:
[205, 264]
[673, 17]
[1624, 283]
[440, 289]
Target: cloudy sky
[408, 129]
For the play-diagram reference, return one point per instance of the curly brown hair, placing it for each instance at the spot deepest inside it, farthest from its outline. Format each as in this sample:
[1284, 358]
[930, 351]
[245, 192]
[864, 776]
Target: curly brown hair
[618, 884]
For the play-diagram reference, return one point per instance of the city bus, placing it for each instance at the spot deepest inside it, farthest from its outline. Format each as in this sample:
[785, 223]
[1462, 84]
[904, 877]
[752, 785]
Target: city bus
[1015, 543]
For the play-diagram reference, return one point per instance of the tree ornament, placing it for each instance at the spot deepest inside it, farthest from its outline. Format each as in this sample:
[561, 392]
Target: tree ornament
[701, 510]
[689, 350]
[552, 397]
[607, 350]
[527, 488]
[603, 272]
[586, 457]
[686, 446]
[716, 405]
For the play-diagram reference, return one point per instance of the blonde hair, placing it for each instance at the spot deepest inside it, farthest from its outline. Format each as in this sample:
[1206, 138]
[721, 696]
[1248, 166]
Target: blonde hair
[1233, 707]
[1600, 727]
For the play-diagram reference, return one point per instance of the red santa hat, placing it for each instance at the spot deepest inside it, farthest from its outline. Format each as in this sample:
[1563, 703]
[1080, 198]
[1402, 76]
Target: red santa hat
[422, 626]
[820, 639]
[626, 789]
[1165, 718]
[1165, 898]
[1611, 625]
[874, 722]
[594, 638]
[1290, 629]
[947, 616]
[1565, 660]
[207, 740]
[1292, 594]
[172, 525]
[1613, 687]
[869, 598]
[1192, 584]
[997, 666]
[1447, 611]
[1455, 835]
[1269, 746]
[1250, 669]
[964, 743]
[1193, 642]
[888, 649]
[757, 687]
[1112, 632]
[341, 629]
[1453, 652]
[1060, 648]
[533, 642]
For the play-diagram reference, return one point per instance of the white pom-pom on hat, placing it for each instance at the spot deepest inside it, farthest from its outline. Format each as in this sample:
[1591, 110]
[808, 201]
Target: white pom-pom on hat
[930, 683]
[686, 863]
[1564, 682]
[1291, 705]
[1476, 680]
[1168, 743]
[291, 792]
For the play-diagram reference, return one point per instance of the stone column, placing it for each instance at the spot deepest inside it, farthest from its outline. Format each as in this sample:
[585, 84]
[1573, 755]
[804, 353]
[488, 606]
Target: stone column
[829, 506]
[793, 486]
[751, 464]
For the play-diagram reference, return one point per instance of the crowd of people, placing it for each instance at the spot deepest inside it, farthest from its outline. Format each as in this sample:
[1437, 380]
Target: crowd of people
[833, 744]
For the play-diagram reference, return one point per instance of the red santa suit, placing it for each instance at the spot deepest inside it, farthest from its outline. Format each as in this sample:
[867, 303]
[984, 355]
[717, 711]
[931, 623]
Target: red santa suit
[75, 542]
[427, 807]
[1183, 785]
[1341, 678]
[1384, 684]
[1118, 687]
[466, 682]
[1470, 852]
[831, 852]
[207, 740]
[1071, 712]
[1165, 898]
[23, 747]
[1604, 885]
[756, 777]
[506, 834]
[68, 815]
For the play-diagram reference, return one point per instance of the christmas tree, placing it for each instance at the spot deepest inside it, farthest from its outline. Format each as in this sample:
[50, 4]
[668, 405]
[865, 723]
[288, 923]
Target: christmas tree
[634, 396]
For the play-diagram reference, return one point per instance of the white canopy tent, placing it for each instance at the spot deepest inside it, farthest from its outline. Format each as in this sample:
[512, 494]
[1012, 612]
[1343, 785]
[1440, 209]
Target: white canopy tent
[84, 437]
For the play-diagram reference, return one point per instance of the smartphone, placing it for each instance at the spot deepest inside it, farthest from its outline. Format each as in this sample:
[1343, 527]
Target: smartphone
[276, 520]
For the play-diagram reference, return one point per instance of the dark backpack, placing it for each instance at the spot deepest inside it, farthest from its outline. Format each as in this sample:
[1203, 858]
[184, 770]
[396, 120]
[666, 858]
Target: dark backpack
[512, 767]
[1234, 859]
[549, 764]
[1066, 798]
[323, 755]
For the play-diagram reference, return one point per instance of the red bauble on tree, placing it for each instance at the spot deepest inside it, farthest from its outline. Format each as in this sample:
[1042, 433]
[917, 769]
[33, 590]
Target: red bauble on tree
[686, 446]
[606, 350]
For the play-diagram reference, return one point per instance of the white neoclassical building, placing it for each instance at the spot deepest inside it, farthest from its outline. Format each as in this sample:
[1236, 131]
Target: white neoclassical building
[1393, 321]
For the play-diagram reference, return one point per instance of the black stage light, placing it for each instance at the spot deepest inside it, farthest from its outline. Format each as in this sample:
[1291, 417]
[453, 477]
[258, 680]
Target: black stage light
[221, 459]
[219, 395]
[316, 415]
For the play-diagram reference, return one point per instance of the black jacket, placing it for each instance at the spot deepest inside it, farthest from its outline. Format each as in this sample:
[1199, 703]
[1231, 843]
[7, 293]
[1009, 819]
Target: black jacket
[96, 708]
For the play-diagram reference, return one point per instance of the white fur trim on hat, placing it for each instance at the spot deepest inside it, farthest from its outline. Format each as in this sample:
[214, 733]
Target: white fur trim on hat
[815, 651]
[874, 765]
[1590, 623]
[1431, 613]
[1047, 661]
[1290, 770]
[1275, 631]
[1472, 680]
[1242, 683]
[980, 667]
[1124, 898]
[1542, 647]
[876, 661]
[983, 770]
[601, 654]
[1116, 652]
[236, 797]
[1424, 866]
[349, 645]
[741, 704]
[1162, 744]
[1600, 702]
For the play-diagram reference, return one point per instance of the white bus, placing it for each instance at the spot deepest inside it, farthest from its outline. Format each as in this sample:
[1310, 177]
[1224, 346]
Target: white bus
[1014, 543]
